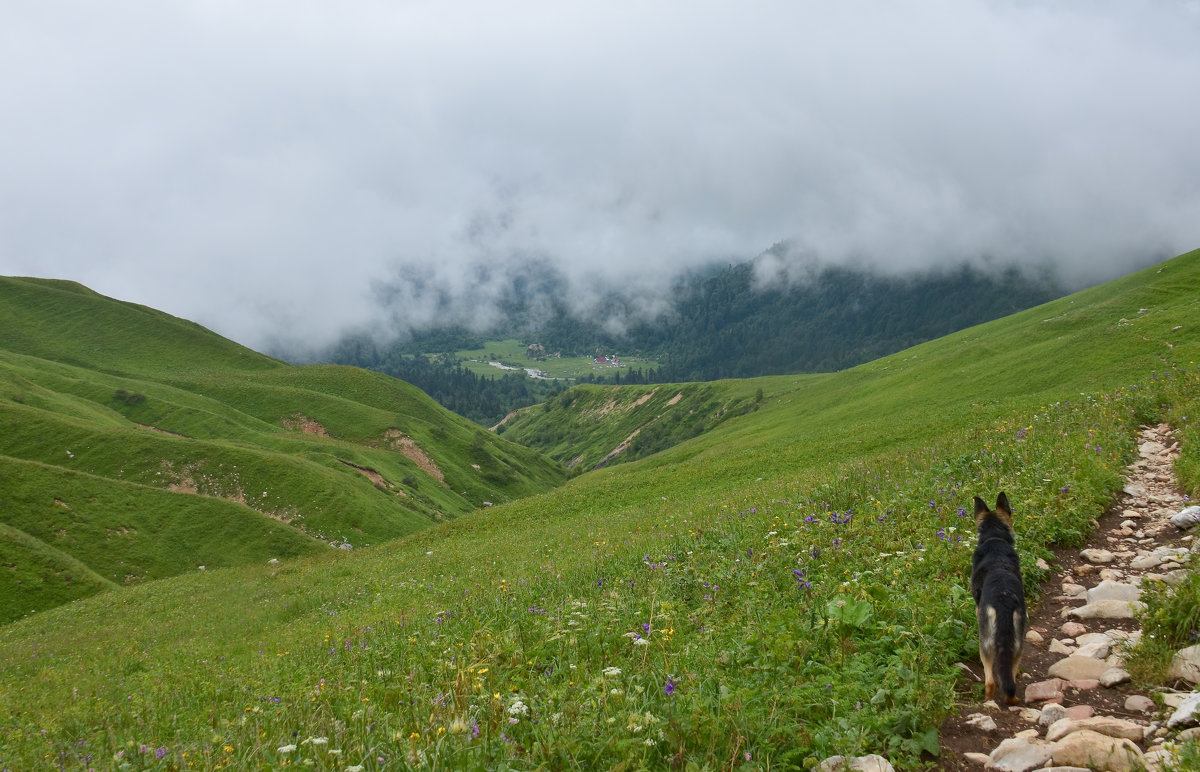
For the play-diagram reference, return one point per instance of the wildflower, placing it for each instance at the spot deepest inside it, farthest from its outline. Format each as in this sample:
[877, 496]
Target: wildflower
[160, 753]
[640, 641]
[285, 748]
[611, 671]
[669, 688]
[518, 708]
[801, 581]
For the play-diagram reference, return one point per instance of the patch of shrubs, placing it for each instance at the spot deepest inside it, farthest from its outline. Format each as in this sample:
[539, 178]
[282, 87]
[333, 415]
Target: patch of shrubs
[130, 398]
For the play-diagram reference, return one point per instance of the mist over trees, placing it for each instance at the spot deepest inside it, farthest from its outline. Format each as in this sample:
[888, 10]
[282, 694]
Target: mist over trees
[721, 323]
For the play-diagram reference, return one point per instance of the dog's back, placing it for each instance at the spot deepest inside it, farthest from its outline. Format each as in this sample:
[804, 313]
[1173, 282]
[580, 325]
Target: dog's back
[999, 598]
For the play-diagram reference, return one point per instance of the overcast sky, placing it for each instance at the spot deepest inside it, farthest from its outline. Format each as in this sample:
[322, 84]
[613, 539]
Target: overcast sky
[265, 168]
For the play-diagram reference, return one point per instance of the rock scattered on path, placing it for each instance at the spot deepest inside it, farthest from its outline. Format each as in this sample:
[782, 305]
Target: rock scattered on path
[1078, 710]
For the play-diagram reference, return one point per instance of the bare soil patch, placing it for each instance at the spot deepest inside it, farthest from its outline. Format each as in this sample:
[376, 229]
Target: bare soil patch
[402, 443]
[297, 422]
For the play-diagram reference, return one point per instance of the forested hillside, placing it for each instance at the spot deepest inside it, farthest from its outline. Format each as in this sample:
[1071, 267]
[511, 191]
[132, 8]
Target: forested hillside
[722, 323]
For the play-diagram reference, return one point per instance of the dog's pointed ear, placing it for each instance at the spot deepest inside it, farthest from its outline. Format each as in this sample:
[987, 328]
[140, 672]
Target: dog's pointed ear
[1002, 504]
[980, 507]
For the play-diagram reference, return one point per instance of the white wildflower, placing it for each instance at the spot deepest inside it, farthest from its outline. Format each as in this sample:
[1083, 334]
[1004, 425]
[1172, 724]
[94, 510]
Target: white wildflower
[518, 708]
[611, 671]
[287, 748]
[640, 642]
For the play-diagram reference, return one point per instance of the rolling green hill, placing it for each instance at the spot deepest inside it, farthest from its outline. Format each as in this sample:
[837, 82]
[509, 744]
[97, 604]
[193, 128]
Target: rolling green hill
[790, 584]
[588, 427]
[134, 446]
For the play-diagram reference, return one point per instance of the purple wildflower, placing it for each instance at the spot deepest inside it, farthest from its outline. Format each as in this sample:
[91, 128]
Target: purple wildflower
[801, 581]
[669, 688]
[161, 752]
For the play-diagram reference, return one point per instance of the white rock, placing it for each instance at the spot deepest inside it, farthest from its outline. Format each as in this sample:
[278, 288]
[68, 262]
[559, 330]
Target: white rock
[1142, 562]
[1186, 518]
[1058, 647]
[976, 758]
[1087, 748]
[1174, 699]
[1033, 636]
[1110, 590]
[1139, 703]
[1105, 725]
[1186, 664]
[1072, 590]
[1097, 555]
[1051, 713]
[1113, 676]
[872, 763]
[1176, 578]
[1095, 649]
[1185, 714]
[1086, 638]
[982, 721]
[1029, 715]
[1157, 759]
[1019, 754]
[1077, 668]
[1105, 609]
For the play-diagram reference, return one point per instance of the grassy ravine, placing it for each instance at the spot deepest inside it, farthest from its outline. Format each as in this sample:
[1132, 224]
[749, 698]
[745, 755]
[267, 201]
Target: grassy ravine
[605, 425]
[135, 446]
[789, 585]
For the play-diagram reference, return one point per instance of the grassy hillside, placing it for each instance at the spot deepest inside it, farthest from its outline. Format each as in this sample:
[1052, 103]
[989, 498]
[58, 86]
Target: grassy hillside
[789, 585]
[592, 426]
[135, 446]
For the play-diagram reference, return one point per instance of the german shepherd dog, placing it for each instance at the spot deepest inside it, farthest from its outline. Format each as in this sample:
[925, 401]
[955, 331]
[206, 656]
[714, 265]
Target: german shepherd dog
[999, 598]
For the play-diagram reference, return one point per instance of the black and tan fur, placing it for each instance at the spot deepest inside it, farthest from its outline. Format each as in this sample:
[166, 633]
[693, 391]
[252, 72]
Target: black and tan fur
[999, 598]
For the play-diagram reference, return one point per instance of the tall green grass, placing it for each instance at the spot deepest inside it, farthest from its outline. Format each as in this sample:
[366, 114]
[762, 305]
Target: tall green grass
[789, 585]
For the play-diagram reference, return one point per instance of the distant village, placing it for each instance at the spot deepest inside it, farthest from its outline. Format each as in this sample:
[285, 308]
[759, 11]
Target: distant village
[608, 361]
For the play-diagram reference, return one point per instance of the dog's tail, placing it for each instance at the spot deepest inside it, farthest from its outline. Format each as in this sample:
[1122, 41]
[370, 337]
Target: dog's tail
[1010, 638]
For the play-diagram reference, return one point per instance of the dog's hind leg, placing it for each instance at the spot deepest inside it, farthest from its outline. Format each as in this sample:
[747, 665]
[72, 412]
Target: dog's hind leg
[987, 650]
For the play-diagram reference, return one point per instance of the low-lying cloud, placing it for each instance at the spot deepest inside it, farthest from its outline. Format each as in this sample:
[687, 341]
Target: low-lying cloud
[277, 170]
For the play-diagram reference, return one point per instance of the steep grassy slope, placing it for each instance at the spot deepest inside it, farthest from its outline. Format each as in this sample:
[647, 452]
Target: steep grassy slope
[593, 426]
[788, 585]
[140, 446]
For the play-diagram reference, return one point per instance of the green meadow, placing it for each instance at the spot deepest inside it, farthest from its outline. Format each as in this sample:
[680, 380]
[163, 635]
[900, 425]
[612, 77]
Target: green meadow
[511, 354]
[786, 584]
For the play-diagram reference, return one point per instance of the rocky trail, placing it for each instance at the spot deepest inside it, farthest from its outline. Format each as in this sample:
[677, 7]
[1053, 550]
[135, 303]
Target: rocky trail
[1079, 708]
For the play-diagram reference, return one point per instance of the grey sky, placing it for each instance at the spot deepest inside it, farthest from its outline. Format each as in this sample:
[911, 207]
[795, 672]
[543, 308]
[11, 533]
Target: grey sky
[262, 168]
